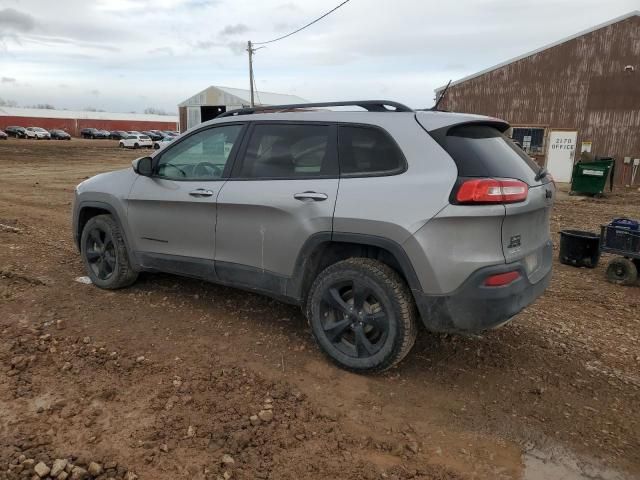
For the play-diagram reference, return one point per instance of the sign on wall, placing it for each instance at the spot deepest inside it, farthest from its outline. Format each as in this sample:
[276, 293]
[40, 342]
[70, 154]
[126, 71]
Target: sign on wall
[561, 154]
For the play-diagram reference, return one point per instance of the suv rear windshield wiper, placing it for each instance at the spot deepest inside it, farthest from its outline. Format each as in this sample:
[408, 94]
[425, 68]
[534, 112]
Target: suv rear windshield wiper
[541, 174]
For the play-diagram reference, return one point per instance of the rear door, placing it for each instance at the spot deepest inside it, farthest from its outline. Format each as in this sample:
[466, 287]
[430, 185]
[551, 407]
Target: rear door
[282, 191]
[482, 150]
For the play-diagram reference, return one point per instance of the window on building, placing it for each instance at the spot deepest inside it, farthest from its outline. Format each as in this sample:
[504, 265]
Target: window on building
[531, 139]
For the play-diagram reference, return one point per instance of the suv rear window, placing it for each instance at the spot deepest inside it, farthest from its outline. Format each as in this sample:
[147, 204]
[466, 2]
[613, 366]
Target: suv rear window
[483, 151]
[368, 151]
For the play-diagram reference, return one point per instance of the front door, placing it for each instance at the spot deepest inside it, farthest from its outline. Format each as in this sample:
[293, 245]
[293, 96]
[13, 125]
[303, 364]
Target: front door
[282, 190]
[173, 213]
[561, 154]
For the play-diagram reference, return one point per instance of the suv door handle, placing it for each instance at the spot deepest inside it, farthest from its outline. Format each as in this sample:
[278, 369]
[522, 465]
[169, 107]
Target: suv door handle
[201, 192]
[315, 196]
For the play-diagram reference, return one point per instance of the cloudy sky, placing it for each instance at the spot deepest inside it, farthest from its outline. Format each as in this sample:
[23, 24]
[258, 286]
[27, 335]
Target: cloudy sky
[125, 55]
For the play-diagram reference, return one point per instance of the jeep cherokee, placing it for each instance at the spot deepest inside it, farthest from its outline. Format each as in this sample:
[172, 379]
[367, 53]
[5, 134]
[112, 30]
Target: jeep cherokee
[368, 220]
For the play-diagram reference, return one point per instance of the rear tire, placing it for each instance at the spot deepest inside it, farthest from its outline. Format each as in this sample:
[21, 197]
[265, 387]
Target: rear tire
[136, 146]
[362, 315]
[105, 255]
[622, 271]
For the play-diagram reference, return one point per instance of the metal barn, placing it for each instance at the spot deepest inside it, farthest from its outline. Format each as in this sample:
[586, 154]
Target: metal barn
[214, 100]
[579, 94]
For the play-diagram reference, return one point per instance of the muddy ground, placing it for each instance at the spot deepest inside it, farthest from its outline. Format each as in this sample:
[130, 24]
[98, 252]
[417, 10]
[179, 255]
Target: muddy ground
[162, 379]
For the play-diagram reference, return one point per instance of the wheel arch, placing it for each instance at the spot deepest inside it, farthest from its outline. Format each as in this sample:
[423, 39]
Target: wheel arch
[324, 249]
[89, 209]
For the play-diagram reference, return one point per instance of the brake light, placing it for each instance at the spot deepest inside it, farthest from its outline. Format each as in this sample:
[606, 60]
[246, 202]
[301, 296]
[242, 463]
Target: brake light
[501, 279]
[491, 190]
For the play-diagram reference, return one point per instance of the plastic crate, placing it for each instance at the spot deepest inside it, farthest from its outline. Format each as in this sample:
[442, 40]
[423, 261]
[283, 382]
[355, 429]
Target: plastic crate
[620, 238]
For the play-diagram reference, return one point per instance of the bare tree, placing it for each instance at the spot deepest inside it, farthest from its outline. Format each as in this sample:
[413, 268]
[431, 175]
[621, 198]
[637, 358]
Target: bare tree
[8, 103]
[156, 111]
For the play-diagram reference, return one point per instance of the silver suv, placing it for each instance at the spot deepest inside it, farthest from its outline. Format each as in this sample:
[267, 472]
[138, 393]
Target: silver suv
[368, 220]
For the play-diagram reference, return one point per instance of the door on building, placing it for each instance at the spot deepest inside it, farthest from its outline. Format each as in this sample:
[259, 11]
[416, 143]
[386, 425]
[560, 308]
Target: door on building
[561, 154]
[193, 117]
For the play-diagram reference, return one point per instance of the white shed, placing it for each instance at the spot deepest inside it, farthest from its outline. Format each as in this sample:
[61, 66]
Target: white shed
[215, 100]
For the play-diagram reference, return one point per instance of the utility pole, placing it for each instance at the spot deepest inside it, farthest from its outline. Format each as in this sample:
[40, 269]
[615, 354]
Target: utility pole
[250, 50]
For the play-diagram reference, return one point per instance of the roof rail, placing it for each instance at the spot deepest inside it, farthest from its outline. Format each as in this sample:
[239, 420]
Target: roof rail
[369, 105]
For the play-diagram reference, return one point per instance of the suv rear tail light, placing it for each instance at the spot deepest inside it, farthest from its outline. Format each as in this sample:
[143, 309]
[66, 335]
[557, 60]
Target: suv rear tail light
[490, 190]
[501, 279]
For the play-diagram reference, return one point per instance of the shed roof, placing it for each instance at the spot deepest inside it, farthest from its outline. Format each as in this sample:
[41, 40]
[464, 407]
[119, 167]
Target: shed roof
[70, 114]
[240, 96]
[635, 13]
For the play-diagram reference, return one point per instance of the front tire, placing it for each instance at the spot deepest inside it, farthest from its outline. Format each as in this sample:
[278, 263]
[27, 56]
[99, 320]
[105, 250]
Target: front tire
[362, 315]
[136, 146]
[104, 254]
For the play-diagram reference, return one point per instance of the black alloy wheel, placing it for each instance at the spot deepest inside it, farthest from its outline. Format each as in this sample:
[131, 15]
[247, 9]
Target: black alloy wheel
[105, 255]
[100, 253]
[353, 318]
[362, 315]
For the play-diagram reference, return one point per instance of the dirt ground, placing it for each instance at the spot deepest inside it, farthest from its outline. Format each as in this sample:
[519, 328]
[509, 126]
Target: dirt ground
[162, 379]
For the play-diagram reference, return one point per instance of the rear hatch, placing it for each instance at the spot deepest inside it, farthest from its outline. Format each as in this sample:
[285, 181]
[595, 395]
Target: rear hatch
[483, 153]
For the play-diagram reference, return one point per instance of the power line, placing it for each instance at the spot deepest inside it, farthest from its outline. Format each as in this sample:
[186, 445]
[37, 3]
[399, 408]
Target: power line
[302, 28]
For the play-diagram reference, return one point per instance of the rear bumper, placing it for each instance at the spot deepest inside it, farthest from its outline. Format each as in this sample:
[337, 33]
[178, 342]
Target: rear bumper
[474, 307]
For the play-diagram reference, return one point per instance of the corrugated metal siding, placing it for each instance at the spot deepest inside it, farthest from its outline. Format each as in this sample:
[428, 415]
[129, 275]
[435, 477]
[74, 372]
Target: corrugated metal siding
[580, 84]
[73, 126]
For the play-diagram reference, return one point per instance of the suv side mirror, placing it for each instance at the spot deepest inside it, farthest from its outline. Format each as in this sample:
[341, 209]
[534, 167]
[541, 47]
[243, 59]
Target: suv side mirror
[143, 166]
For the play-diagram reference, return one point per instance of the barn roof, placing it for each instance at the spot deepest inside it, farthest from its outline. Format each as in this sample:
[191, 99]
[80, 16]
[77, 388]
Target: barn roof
[70, 114]
[635, 13]
[239, 96]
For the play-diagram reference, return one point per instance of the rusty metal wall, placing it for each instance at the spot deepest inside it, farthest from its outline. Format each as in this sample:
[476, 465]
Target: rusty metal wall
[580, 85]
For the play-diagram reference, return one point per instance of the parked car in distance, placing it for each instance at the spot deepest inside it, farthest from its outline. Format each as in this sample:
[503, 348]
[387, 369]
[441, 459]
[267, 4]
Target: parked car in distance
[136, 141]
[153, 135]
[59, 135]
[93, 133]
[472, 251]
[159, 132]
[18, 132]
[134, 132]
[118, 135]
[37, 133]
[3, 136]
[163, 143]
[171, 132]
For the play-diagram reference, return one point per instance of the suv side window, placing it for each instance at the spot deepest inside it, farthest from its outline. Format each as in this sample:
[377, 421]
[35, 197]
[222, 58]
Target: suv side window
[368, 151]
[201, 156]
[281, 151]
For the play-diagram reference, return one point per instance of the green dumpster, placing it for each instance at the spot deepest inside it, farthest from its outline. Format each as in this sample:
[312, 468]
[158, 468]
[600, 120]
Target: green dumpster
[591, 177]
